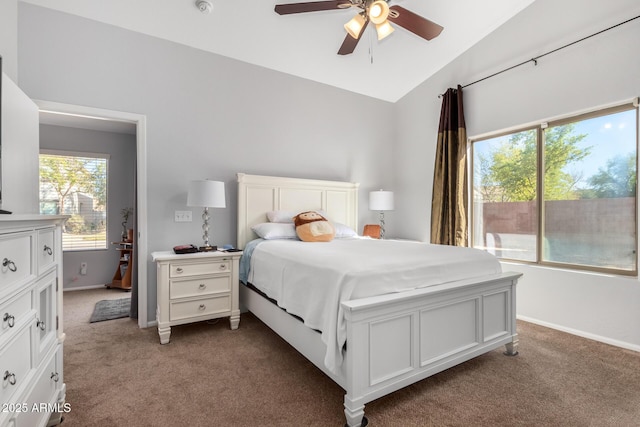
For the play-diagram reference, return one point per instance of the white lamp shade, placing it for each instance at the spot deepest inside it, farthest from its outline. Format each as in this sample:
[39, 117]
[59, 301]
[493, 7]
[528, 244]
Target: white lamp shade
[208, 194]
[381, 200]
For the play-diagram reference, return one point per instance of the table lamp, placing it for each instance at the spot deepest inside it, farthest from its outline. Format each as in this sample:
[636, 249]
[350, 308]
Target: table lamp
[206, 194]
[381, 201]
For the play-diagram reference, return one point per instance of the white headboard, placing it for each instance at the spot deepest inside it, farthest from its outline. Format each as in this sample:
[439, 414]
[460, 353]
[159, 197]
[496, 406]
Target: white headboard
[258, 195]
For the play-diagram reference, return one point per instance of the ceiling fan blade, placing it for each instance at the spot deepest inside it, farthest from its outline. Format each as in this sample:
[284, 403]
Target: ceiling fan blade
[312, 6]
[349, 44]
[415, 23]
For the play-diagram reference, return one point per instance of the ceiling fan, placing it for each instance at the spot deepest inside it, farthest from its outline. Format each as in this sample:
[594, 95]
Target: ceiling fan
[377, 12]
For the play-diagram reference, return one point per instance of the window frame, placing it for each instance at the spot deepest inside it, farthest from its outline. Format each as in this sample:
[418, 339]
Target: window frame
[104, 156]
[540, 127]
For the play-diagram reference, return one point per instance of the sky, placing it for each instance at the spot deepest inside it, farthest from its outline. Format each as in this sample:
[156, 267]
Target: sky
[608, 136]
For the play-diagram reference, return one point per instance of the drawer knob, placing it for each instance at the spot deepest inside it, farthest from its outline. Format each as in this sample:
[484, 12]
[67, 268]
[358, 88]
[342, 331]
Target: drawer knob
[11, 377]
[48, 250]
[179, 270]
[223, 266]
[202, 286]
[41, 325]
[11, 321]
[9, 264]
[202, 307]
[55, 377]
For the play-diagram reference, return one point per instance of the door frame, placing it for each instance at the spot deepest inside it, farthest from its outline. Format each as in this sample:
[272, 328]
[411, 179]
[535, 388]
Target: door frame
[140, 120]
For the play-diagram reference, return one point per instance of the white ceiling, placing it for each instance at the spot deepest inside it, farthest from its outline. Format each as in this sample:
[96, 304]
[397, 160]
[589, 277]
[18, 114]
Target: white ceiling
[305, 45]
[87, 122]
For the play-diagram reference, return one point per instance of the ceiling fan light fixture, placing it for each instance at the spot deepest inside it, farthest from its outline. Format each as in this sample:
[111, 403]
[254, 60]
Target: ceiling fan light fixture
[354, 27]
[378, 12]
[384, 29]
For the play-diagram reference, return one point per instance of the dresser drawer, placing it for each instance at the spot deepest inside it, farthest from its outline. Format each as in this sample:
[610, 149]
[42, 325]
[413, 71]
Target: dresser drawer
[13, 311]
[15, 364]
[197, 287]
[200, 307]
[15, 259]
[199, 269]
[45, 252]
[43, 396]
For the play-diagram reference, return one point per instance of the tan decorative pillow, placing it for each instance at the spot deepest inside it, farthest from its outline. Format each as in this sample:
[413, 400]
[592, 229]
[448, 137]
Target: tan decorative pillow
[313, 227]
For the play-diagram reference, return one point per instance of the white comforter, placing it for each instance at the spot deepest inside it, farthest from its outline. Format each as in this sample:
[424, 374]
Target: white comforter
[311, 279]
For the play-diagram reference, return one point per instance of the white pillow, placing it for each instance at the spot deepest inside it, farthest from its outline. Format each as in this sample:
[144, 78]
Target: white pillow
[343, 231]
[281, 216]
[275, 230]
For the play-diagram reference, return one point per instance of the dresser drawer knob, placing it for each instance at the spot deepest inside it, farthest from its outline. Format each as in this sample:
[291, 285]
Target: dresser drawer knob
[41, 325]
[55, 377]
[9, 264]
[202, 307]
[223, 266]
[179, 270]
[9, 319]
[202, 286]
[11, 377]
[48, 250]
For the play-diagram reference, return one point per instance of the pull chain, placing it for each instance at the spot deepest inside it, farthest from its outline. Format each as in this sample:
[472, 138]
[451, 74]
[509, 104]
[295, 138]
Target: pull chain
[371, 47]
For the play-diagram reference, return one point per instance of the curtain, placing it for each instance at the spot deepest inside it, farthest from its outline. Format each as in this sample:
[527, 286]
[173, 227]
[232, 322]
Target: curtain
[450, 192]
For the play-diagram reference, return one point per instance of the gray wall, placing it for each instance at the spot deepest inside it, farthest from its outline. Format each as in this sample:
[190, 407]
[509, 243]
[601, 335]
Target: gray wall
[8, 39]
[207, 117]
[101, 264]
[602, 70]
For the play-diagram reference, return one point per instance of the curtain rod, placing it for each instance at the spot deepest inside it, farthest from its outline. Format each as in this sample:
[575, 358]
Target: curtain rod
[535, 59]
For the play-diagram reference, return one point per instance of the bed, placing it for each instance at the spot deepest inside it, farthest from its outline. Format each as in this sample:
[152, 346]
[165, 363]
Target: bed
[390, 340]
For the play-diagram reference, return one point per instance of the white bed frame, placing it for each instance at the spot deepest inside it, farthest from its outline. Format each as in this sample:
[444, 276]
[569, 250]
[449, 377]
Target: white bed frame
[393, 340]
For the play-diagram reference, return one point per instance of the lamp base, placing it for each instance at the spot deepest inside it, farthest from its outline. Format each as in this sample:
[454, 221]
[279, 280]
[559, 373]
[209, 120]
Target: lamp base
[207, 248]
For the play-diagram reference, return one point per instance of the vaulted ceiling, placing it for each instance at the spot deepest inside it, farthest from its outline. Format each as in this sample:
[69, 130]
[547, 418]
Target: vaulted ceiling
[306, 44]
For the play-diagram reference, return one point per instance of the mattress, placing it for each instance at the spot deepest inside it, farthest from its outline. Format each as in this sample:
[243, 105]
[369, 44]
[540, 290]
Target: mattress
[310, 280]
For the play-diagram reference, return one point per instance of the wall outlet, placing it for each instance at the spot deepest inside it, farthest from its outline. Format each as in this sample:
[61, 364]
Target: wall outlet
[182, 216]
[83, 268]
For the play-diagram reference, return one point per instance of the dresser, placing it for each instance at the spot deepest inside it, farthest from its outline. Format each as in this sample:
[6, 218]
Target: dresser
[32, 392]
[196, 287]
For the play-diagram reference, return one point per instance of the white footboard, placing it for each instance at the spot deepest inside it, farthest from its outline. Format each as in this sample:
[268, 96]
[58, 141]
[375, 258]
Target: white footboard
[395, 340]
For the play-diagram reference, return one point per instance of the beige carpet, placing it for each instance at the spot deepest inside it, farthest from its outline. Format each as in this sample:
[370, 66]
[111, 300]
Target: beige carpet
[119, 375]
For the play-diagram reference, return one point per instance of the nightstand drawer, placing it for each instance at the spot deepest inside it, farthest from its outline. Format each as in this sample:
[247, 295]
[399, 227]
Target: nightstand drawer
[15, 259]
[199, 269]
[200, 307]
[197, 287]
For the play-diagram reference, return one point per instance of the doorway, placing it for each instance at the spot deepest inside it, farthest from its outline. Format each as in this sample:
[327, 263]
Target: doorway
[106, 119]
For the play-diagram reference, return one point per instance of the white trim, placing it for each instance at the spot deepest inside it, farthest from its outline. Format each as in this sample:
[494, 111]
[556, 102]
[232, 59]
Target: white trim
[105, 156]
[579, 333]
[84, 288]
[141, 187]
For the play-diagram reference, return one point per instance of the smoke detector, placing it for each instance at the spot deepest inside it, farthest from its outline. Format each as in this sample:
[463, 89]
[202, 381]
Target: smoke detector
[204, 6]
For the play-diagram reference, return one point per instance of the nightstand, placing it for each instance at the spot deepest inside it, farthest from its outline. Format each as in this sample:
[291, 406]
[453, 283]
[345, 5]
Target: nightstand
[196, 287]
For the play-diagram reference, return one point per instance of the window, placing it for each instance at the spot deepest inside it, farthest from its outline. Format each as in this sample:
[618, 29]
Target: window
[76, 184]
[561, 193]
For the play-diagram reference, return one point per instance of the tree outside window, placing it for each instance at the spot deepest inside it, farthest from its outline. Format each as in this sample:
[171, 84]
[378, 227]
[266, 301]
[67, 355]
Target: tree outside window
[76, 185]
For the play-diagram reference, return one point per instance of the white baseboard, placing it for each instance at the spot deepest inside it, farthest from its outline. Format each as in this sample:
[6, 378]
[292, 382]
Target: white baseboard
[83, 288]
[582, 334]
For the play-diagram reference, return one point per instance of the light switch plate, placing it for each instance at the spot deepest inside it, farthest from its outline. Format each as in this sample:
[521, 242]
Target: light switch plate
[182, 216]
